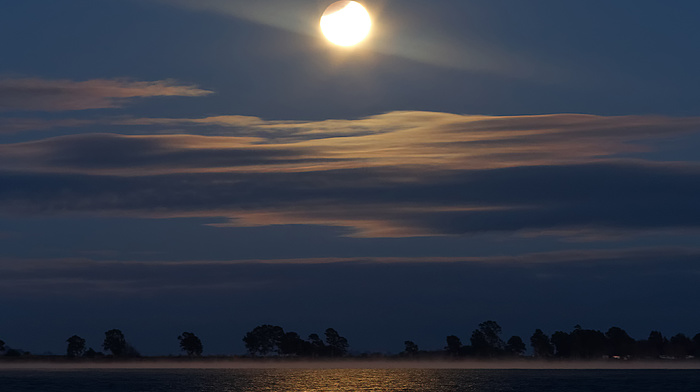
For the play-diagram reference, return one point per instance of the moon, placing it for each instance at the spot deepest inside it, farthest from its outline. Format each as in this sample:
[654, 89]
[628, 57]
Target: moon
[346, 23]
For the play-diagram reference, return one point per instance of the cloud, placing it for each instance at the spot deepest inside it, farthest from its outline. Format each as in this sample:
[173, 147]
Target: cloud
[610, 196]
[418, 144]
[34, 94]
[393, 175]
[129, 155]
[85, 274]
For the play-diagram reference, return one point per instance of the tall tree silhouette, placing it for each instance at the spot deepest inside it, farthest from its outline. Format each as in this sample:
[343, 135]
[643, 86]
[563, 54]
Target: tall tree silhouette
[317, 347]
[619, 342]
[76, 346]
[411, 348]
[479, 344]
[337, 345]
[264, 339]
[562, 344]
[191, 344]
[2, 345]
[515, 346]
[292, 344]
[587, 343]
[679, 346]
[486, 340]
[453, 345]
[656, 344]
[541, 345]
[492, 331]
[115, 343]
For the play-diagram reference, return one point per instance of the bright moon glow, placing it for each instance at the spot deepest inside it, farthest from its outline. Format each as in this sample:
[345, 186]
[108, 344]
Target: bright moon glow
[346, 23]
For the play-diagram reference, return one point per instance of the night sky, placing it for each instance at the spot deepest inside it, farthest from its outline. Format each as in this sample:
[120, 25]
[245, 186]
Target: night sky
[214, 165]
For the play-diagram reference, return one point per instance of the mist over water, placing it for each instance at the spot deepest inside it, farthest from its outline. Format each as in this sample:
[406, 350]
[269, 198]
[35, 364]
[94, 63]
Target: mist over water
[282, 364]
[389, 380]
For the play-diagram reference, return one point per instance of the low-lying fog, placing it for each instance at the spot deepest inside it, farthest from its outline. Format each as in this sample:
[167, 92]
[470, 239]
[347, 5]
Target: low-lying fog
[350, 364]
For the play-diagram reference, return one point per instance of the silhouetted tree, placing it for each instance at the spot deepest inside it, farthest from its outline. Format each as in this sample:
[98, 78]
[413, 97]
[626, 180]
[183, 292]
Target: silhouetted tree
[264, 339]
[656, 344]
[515, 346]
[679, 346]
[337, 345]
[492, 332]
[541, 345]
[2, 346]
[480, 346]
[411, 348]
[191, 344]
[292, 344]
[619, 342]
[76, 346]
[453, 345]
[587, 343]
[696, 345]
[486, 340]
[316, 345]
[562, 344]
[115, 343]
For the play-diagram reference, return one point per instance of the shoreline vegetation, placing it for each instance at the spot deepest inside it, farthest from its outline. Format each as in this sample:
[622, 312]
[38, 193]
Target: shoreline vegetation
[226, 362]
[269, 346]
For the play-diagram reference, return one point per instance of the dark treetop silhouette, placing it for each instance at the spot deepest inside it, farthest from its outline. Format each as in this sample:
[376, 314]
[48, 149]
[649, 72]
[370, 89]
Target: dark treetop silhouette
[76, 346]
[411, 348]
[117, 344]
[541, 345]
[515, 346]
[191, 344]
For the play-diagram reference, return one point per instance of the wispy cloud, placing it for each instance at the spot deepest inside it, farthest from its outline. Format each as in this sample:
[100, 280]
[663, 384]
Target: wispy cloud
[414, 143]
[85, 274]
[34, 94]
[392, 175]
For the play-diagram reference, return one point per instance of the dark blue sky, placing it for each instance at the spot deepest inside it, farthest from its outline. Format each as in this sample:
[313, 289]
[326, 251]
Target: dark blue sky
[212, 165]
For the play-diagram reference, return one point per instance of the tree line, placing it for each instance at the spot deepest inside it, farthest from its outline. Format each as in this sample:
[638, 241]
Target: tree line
[268, 339]
[263, 340]
[579, 343]
[115, 344]
[485, 342]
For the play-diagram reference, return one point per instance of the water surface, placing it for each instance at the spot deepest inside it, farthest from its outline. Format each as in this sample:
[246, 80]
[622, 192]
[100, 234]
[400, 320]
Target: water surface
[332, 380]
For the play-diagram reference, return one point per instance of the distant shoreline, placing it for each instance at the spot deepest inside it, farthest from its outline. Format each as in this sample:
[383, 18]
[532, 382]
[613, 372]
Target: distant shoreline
[155, 363]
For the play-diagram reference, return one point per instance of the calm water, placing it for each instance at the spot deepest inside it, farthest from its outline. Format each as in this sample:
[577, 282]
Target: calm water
[329, 380]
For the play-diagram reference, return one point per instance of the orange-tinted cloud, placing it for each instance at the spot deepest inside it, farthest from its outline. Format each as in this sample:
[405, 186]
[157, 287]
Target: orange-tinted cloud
[34, 94]
[411, 143]
[393, 175]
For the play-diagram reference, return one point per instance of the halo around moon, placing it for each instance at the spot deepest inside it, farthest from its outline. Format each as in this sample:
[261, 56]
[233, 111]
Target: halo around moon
[346, 23]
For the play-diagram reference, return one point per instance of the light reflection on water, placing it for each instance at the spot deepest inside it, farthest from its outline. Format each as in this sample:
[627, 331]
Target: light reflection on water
[345, 380]
[342, 380]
